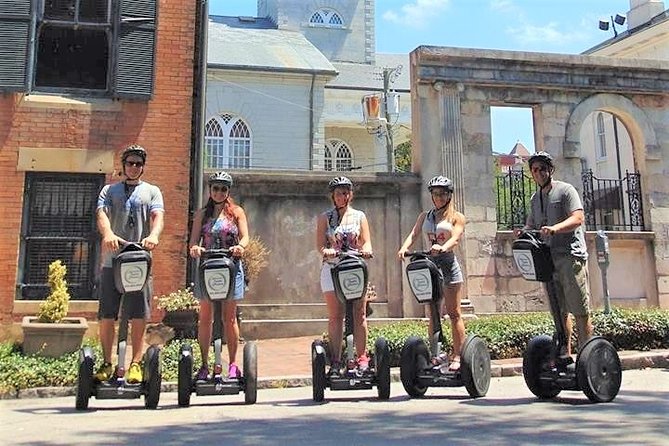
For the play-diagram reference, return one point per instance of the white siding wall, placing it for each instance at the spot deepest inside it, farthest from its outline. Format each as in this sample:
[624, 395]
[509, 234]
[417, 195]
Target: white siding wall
[276, 108]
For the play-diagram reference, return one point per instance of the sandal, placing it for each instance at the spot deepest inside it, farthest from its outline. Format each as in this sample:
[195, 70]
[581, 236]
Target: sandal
[454, 366]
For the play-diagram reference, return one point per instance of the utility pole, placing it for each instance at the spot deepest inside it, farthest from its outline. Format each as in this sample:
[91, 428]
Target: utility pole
[381, 124]
[390, 146]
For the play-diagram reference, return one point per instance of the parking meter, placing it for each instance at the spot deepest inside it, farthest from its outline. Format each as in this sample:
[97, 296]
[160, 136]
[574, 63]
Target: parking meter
[602, 246]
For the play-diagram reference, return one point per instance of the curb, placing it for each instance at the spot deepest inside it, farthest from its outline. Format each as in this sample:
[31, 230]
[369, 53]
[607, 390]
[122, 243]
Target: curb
[630, 360]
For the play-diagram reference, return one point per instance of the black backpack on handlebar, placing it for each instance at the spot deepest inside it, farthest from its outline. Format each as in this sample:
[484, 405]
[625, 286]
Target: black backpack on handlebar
[533, 257]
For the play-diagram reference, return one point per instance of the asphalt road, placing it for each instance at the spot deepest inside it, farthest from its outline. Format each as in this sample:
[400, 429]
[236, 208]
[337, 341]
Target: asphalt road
[509, 414]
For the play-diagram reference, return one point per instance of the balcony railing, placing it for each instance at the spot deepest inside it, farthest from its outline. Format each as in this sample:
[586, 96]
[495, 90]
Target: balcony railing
[609, 203]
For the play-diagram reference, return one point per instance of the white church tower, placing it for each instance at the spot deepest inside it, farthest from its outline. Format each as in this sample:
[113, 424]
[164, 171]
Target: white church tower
[343, 30]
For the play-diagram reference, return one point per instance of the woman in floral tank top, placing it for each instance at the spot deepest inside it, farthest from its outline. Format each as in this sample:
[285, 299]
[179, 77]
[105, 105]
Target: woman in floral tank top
[221, 224]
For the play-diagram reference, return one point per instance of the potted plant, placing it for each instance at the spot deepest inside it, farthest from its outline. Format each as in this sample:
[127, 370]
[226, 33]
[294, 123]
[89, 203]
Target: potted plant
[51, 333]
[181, 311]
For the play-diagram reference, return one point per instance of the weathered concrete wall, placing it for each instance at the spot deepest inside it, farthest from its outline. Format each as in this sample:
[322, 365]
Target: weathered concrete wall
[453, 92]
[282, 210]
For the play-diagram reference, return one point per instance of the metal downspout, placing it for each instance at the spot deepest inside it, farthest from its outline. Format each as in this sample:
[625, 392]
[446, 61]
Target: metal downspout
[197, 123]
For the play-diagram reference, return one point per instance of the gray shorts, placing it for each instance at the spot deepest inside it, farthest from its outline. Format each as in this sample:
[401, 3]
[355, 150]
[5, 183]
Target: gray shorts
[572, 284]
[450, 268]
[135, 304]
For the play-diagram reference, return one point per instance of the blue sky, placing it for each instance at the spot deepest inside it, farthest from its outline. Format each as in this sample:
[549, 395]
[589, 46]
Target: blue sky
[554, 26]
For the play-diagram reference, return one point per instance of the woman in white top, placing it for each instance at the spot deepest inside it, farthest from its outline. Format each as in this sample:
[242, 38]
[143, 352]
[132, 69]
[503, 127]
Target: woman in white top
[343, 228]
[442, 228]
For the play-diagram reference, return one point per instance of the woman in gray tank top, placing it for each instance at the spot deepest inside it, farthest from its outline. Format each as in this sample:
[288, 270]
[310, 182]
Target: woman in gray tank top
[441, 229]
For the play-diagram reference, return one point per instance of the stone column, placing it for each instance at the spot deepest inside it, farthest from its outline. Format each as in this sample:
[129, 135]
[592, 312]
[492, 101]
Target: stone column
[451, 152]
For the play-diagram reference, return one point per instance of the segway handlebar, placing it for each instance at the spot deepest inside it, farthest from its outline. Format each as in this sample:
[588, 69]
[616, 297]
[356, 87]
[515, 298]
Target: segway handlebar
[354, 252]
[418, 253]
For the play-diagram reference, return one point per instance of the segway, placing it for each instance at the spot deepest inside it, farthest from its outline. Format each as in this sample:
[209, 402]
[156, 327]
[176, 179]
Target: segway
[421, 368]
[547, 368]
[217, 274]
[349, 276]
[131, 267]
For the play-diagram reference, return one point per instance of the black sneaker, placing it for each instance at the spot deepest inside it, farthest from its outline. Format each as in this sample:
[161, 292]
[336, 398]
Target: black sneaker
[335, 370]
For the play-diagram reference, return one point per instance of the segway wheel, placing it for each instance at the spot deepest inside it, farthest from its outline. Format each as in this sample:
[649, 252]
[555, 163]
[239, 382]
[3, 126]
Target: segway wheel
[250, 372]
[535, 359]
[598, 370]
[84, 378]
[184, 377]
[413, 360]
[382, 368]
[318, 378]
[152, 377]
[475, 366]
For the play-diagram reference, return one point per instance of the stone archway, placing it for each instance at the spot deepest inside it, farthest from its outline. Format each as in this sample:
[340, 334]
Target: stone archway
[452, 92]
[633, 118]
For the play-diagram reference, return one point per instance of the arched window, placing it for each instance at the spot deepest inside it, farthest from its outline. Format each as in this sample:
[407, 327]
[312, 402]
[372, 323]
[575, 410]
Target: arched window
[326, 17]
[601, 136]
[338, 155]
[227, 143]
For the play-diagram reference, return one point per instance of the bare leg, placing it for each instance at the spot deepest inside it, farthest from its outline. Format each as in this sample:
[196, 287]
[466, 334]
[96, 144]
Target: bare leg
[452, 297]
[204, 330]
[137, 338]
[568, 330]
[335, 325]
[231, 328]
[360, 328]
[584, 328]
[106, 333]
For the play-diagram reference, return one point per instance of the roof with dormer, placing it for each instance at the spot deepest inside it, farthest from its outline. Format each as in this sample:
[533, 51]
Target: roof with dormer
[260, 46]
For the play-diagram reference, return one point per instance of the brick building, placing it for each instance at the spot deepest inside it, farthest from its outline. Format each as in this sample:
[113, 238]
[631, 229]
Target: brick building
[77, 84]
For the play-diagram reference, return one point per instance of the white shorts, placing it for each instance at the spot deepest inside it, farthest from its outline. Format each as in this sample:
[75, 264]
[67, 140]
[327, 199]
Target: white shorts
[326, 277]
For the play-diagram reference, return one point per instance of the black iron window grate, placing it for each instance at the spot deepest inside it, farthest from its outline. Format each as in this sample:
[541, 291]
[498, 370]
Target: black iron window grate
[59, 223]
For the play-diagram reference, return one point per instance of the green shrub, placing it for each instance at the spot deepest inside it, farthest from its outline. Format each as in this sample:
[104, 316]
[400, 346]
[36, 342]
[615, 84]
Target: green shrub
[54, 308]
[19, 371]
[506, 336]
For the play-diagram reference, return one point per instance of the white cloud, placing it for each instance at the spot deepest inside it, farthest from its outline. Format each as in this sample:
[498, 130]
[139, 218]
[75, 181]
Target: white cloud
[502, 5]
[550, 34]
[417, 13]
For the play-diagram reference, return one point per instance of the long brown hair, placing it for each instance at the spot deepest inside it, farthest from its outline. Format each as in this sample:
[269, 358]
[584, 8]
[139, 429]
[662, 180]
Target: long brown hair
[449, 211]
[229, 207]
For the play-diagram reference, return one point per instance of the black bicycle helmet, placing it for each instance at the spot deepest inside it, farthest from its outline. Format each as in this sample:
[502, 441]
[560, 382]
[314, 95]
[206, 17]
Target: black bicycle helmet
[440, 181]
[134, 149]
[339, 182]
[542, 156]
[221, 177]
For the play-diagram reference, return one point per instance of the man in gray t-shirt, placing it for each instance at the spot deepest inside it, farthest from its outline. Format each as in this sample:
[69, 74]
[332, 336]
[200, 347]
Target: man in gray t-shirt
[130, 210]
[556, 210]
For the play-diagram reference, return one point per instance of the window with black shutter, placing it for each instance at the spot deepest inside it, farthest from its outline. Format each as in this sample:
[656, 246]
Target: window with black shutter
[93, 47]
[59, 223]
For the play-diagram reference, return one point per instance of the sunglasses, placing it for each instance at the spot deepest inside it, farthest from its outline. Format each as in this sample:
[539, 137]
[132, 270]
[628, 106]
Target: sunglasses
[134, 163]
[540, 169]
[219, 188]
[440, 193]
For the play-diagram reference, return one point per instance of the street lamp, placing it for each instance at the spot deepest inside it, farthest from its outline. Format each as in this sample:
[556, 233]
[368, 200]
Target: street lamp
[617, 20]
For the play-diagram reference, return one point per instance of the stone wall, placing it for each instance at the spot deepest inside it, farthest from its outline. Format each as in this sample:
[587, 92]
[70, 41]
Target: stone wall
[453, 92]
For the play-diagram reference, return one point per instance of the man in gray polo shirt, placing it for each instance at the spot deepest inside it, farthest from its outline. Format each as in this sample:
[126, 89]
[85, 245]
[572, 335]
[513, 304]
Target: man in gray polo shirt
[556, 210]
[130, 210]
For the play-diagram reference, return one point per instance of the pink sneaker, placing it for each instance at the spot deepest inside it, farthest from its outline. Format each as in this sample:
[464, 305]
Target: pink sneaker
[233, 371]
[363, 363]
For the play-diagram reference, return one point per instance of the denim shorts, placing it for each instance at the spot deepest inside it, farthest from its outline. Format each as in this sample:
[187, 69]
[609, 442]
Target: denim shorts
[450, 268]
[237, 294]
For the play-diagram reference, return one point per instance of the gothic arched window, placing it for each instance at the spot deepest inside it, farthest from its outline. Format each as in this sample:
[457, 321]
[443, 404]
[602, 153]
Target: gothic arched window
[227, 143]
[326, 17]
[338, 155]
